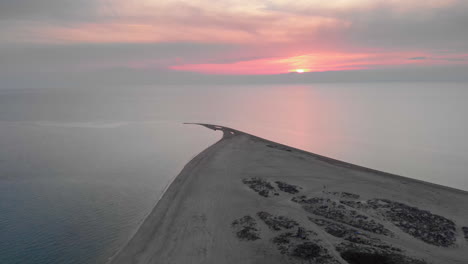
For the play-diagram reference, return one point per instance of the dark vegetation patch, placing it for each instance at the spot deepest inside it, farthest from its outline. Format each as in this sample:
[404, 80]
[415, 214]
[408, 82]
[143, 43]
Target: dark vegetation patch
[260, 186]
[302, 246]
[299, 244]
[246, 228]
[277, 222]
[279, 147]
[350, 234]
[307, 250]
[284, 240]
[286, 187]
[357, 257]
[365, 258]
[430, 228]
[465, 232]
[355, 204]
[346, 195]
[340, 213]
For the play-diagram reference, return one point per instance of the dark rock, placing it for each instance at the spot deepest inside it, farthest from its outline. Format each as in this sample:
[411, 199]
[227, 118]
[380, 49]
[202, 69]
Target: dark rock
[246, 228]
[285, 187]
[260, 186]
[277, 222]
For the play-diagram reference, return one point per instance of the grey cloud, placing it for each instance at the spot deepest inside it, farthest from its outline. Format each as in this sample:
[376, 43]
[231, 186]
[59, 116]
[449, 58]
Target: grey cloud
[64, 10]
[445, 29]
[455, 59]
[384, 27]
[30, 58]
[439, 58]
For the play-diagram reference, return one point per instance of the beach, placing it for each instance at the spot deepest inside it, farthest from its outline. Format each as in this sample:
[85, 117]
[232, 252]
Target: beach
[249, 200]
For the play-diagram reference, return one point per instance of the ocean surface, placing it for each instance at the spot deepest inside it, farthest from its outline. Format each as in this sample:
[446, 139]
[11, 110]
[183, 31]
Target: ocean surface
[80, 168]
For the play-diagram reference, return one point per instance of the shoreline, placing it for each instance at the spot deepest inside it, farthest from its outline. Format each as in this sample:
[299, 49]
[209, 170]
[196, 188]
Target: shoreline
[172, 189]
[191, 218]
[336, 162]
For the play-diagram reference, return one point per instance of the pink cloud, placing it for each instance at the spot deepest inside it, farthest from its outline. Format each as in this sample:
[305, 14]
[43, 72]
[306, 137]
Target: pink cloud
[310, 63]
[269, 38]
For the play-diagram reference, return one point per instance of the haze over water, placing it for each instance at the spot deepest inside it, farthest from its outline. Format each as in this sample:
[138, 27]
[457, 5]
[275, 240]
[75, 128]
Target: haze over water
[81, 167]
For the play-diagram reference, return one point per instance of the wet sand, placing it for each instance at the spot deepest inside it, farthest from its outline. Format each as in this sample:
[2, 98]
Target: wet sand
[249, 200]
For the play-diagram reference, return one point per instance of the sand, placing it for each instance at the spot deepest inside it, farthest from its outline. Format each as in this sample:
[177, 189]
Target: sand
[249, 200]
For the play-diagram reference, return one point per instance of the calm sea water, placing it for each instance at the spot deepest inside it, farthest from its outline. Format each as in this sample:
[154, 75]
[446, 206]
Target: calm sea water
[80, 168]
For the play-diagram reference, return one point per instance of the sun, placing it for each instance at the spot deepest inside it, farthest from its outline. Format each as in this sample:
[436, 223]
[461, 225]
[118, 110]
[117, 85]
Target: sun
[300, 70]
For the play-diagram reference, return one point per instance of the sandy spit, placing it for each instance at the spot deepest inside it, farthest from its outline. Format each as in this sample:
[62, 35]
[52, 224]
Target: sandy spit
[249, 200]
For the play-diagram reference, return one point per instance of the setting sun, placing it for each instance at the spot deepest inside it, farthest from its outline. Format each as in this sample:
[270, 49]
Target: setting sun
[299, 70]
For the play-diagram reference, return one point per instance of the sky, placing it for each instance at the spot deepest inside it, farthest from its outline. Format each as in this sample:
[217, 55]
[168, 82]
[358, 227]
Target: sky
[198, 40]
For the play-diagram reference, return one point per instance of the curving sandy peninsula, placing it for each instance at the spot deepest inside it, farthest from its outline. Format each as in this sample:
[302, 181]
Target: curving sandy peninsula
[249, 200]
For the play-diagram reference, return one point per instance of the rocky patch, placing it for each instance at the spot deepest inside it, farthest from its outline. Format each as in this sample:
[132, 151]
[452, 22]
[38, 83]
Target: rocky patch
[288, 188]
[260, 186]
[246, 228]
[465, 232]
[338, 212]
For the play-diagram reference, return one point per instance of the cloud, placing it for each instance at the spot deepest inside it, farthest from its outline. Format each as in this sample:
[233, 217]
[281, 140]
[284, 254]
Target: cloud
[306, 25]
[230, 36]
[311, 24]
[320, 62]
[64, 10]
[27, 58]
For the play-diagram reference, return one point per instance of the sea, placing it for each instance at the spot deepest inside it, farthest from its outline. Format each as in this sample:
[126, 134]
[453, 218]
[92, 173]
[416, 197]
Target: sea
[81, 167]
